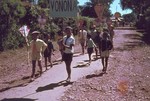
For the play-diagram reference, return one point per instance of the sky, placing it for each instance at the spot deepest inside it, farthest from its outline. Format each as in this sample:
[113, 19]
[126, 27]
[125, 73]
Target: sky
[115, 7]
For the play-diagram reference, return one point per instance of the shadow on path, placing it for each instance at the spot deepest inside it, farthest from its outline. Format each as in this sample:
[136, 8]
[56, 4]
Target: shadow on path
[146, 38]
[130, 41]
[19, 99]
[82, 65]
[53, 85]
[94, 75]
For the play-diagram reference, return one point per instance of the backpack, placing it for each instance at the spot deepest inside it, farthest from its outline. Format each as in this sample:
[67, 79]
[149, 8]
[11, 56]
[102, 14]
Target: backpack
[110, 45]
[106, 45]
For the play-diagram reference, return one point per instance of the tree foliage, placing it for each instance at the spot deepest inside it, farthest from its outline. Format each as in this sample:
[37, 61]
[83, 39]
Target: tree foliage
[129, 17]
[13, 15]
[16, 13]
[141, 9]
[10, 13]
[147, 17]
[88, 8]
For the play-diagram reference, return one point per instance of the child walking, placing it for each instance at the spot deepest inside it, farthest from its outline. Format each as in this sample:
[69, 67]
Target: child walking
[90, 45]
[49, 50]
[37, 48]
[82, 38]
[106, 46]
[68, 43]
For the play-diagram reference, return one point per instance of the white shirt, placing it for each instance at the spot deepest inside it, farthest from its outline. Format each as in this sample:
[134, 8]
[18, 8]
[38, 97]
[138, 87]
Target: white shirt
[83, 34]
[94, 34]
[69, 41]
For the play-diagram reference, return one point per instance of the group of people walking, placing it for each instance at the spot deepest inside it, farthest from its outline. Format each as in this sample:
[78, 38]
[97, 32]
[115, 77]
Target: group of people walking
[93, 40]
[100, 42]
[45, 48]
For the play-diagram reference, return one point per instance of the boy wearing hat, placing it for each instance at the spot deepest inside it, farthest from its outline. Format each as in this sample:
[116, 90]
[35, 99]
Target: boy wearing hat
[37, 48]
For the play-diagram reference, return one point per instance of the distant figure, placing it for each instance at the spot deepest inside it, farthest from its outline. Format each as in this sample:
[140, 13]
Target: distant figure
[52, 35]
[60, 42]
[95, 35]
[90, 45]
[37, 49]
[111, 32]
[82, 38]
[123, 23]
[49, 50]
[106, 46]
[68, 43]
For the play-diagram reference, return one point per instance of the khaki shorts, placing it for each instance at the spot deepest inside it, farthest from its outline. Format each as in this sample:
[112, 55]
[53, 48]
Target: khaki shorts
[82, 41]
[105, 53]
[36, 56]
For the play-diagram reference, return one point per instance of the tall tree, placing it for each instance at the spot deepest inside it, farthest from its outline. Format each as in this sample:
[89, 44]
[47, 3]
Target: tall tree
[88, 8]
[140, 8]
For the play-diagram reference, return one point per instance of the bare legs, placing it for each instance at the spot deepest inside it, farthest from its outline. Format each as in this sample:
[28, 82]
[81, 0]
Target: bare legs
[90, 57]
[68, 69]
[46, 63]
[83, 47]
[49, 60]
[104, 63]
[96, 52]
[40, 67]
[61, 52]
[34, 66]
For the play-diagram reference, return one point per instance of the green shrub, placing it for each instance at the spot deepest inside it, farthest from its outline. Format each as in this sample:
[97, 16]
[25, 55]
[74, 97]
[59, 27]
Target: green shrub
[13, 39]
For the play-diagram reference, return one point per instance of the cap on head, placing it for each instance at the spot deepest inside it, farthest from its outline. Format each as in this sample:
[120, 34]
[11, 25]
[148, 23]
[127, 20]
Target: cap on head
[105, 29]
[112, 26]
[68, 27]
[35, 32]
[98, 30]
[105, 34]
[94, 26]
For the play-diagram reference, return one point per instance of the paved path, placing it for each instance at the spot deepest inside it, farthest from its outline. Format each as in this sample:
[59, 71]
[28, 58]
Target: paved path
[50, 86]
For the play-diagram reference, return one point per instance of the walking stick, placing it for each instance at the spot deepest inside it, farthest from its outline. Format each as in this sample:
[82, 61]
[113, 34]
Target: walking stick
[24, 30]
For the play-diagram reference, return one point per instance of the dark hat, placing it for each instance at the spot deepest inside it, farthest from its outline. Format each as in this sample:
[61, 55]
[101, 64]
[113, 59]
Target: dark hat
[35, 32]
[88, 35]
[68, 27]
[105, 34]
[105, 29]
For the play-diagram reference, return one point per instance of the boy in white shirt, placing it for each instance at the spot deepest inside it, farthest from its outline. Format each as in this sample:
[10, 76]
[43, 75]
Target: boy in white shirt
[83, 38]
[68, 43]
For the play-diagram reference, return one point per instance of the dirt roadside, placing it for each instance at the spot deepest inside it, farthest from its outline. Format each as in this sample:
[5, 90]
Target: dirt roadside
[128, 75]
[127, 79]
[15, 70]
